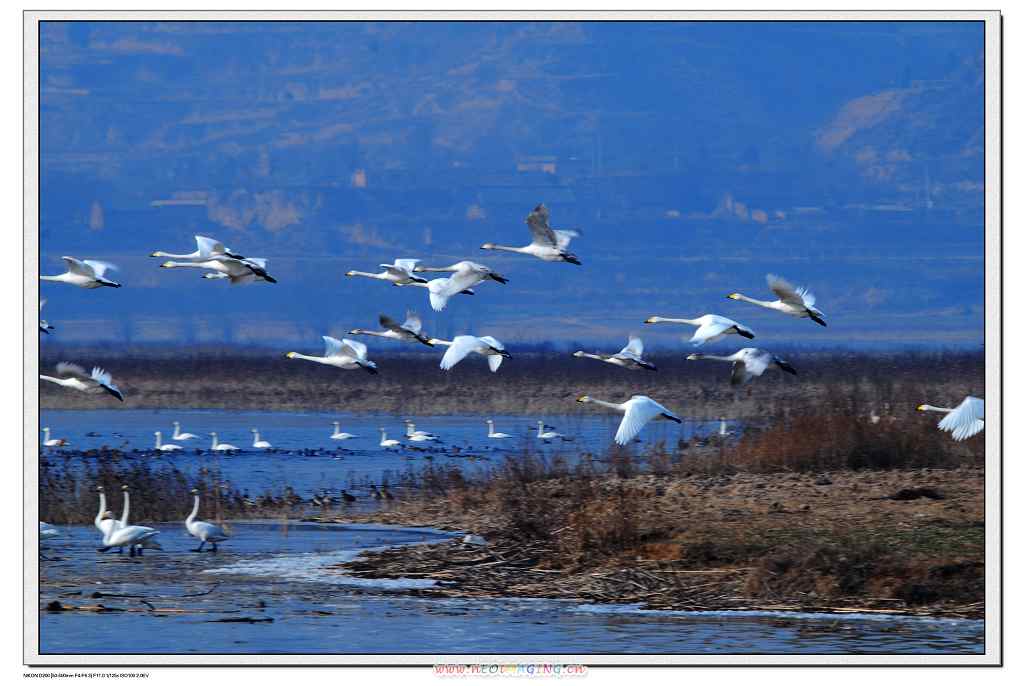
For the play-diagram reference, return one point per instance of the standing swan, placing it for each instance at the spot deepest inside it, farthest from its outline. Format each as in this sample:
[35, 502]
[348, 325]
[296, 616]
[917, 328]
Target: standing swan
[630, 357]
[204, 531]
[343, 354]
[747, 363]
[410, 330]
[461, 346]
[638, 411]
[340, 435]
[84, 273]
[548, 244]
[964, 420]
[257, 443]
[796, 302]
[164, 447]
[104, 520]
[135, 537]
[710, 327]
[99, 381]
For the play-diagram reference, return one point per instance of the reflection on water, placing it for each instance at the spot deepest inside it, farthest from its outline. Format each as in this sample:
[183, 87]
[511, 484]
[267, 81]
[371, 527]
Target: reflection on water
[286, 572]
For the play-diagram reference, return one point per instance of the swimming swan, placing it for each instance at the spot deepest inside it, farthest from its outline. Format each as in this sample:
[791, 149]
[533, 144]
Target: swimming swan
[340, 435]
[98, 381]
[164, 447]
[796, 302]
[461, 346]
[747, 363]
[84, 273]
[710, 327]
[413, 434]
[47, 531]
[964, 420]
[178, 436]
[257, 443]
[343, 354]
[548, 435]
[386, 442]
[630, 357]
[204, 531]
[52, 442]
[497, 435]
[409, 330]
[638, 411]
[217, 446]
[548, 244]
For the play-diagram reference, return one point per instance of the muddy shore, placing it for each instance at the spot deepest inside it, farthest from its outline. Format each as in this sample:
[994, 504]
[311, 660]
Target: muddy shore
[895, 541]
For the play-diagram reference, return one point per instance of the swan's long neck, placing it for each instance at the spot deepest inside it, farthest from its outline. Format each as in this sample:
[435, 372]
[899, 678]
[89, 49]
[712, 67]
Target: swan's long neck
[507, 248]
[439, 341]
[605, 403]
[124, 512]
[311, 358]
[213, 444]
[382, 334]
[59, 277]
[383, 436]
[722, 358]
[752, 301]
[367, 275]
[46, 434]
[103, 508]
[933, 408]
[590, 355]
[158, 437]
[55, 380]
[255, 436]
[195, 511]
[174, 265]
[674, 320]
[174, 256]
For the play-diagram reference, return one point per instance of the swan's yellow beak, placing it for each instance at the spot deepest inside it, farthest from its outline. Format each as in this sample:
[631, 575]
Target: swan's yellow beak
[650, 320]
[166, 265]
[733, 296]
[350, 273]
[154, 254]
[581, 399]
[920, 408]
[290, 355]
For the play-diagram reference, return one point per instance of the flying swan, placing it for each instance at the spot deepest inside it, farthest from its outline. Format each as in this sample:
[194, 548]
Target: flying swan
[84, 273]
[796, 302]
[747, 363]
[548, 244]
[343, 354]
[206, 248]
[630, 357]
[710, 327]
[44, 325]
[98, 381]
[638, 411]
[409, 330]
[398, 274]
[238, 272]
[964, 420]
[461, 346]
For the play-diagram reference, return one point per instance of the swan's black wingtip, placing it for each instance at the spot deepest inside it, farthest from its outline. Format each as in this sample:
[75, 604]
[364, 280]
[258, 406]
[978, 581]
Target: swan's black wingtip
[745, 333]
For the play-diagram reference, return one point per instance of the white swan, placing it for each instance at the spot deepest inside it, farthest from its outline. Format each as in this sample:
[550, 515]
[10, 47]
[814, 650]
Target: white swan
[238, 272]
[178, 436]
[398, 274]
[164, 447]
[497, 435]
[710, 327]
[796, 302]
[466, 275]
[964, 420]
[386, 442]
[410, 330]
[206, 248]
[638, 411]
[256, 442]
[104, 520]
[47, 531]
[204, 531]
[547, 435]
[340, 435]
[747, 363]
[461, 346]
[412, 434]
[98, 381]
[52, 442]
[548, 244]
[343, 354]
[44, 325]
[135, 537]
[630, 357]
[84, 273]
[217, 446]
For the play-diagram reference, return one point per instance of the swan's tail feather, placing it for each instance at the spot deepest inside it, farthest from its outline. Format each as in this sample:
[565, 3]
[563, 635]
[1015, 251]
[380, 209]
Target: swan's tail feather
[816, 318]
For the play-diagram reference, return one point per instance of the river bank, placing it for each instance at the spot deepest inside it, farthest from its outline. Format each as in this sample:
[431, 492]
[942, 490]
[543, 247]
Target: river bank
[895, 541]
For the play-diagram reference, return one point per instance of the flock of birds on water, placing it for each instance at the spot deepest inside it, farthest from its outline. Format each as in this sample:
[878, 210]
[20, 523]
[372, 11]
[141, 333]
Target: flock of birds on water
[551, 245]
